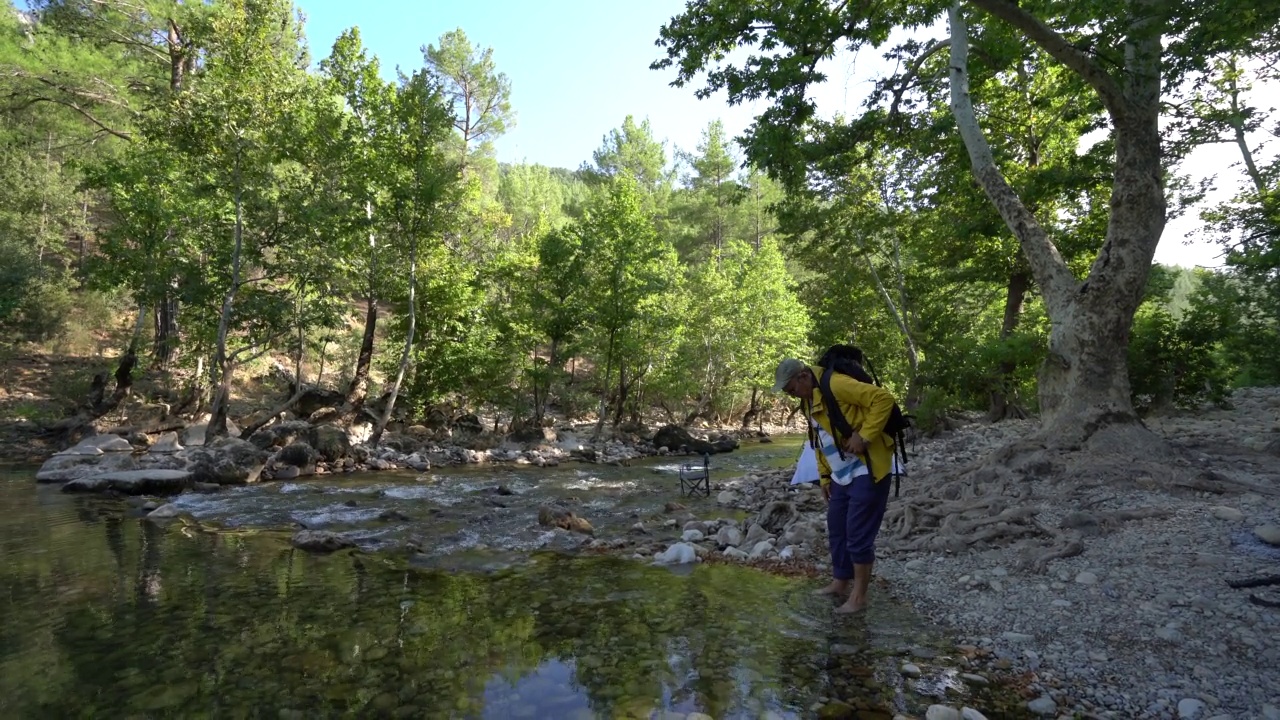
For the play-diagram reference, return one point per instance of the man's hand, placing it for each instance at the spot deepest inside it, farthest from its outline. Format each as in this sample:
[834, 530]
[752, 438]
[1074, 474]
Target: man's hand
[826, 492]
[855, 444]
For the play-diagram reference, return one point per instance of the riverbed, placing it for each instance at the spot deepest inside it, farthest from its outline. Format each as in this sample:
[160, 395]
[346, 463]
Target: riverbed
[105, 614]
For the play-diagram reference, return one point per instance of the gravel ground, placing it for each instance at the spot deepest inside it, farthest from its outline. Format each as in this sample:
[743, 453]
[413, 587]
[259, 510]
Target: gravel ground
[1142, 624]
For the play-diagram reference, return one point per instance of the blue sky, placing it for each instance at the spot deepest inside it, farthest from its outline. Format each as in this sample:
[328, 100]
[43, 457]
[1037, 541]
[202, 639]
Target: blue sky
[577, 67]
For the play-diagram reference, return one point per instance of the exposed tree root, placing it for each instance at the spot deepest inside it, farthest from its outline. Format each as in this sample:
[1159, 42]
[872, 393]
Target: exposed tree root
[1263, 581]
[1044, 493]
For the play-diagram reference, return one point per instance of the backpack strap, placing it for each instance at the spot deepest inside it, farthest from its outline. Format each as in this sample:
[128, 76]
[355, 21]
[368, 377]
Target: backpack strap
[839, 423]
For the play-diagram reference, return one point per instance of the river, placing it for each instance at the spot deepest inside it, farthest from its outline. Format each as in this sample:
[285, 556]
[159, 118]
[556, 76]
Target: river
[104, 614]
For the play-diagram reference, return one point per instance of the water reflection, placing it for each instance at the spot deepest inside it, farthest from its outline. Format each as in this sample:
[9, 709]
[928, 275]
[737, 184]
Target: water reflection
[105, 615]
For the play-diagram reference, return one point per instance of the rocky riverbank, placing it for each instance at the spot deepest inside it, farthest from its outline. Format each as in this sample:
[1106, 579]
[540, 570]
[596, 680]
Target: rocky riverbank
[169, 463]
[1142, 623]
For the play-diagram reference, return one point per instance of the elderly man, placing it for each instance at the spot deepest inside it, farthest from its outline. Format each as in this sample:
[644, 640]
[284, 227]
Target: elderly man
[855, 470]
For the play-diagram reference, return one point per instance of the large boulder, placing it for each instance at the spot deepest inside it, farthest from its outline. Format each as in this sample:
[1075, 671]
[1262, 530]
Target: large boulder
[227, 461]
[468, 422]
[297, 454]
[776, 516]
[403, 444]
[331, 442]
[674, 437]
[282, 434]
[527, 431]
[79, 462]
[195, 434]
[315, 399]
[134, 482]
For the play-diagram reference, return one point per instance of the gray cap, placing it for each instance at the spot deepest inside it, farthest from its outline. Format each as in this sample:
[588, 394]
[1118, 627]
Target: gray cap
[787, 369]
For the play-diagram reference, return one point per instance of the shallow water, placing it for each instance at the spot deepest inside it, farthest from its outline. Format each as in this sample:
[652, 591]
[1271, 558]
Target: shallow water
[453, 510]
[103, 614]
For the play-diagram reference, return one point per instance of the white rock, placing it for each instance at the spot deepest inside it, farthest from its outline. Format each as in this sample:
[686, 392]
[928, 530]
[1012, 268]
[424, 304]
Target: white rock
[1017, 636]
[727, 497]
[1269, 534]
[911, 670]
[941, 712]
[1230, 514]
[109, 442]
[1087, 578]
[691, 536]
[166, 443]
[1270, 712]
[678, 554]
[735, 553]
[760, 549]
[729, 536]
[1190, 709]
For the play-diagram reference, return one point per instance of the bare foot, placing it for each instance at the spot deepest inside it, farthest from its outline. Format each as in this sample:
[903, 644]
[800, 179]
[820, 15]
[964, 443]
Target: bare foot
[837, 587]
[851, 608]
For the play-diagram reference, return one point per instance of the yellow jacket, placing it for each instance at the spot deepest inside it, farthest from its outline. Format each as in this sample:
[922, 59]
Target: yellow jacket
[867, 409]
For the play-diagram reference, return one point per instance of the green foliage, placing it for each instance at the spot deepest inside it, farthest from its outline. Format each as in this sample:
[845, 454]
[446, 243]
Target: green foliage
[1179, 360]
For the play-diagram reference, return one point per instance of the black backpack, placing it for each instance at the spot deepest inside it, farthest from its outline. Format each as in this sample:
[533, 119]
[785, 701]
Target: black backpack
[849, 360]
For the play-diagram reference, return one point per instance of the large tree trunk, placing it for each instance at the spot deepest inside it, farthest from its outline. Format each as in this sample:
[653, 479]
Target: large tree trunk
[408, 346]
[166, 338]
[1016, 294]
[1084, 382]
[222, 364]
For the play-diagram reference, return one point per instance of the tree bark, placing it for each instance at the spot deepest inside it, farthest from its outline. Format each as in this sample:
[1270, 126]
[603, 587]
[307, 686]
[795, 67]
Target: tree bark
[1084, 382]
[604, 392]
[222, 364]
[408, 345]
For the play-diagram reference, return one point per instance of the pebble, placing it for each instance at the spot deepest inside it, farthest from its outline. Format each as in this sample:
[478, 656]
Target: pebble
[1190, 709]
[1142, 620]
[1043, 706]
[1229, 514]
[911, 670]
[1269, 534]
[941, 712]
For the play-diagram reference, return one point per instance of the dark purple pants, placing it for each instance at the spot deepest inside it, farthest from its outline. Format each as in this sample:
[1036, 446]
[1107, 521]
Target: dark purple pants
[853, 520]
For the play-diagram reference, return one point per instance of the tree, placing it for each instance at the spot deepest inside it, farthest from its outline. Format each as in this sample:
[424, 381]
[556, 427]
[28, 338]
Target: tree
[1083, 383]
[632, 151]
[233, 133]
[356, 131]
[479, 94]
[711, 206]
[422, 194]
[629, 268]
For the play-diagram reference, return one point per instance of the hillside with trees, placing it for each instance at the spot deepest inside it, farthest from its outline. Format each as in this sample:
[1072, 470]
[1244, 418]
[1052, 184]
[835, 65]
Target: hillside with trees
[202, 214]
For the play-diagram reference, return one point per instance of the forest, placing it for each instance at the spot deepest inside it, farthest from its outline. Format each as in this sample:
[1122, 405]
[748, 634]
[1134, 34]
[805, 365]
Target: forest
[192, 194]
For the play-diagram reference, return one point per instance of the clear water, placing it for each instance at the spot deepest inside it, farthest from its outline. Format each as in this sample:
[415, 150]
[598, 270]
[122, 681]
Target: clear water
[105, 615]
